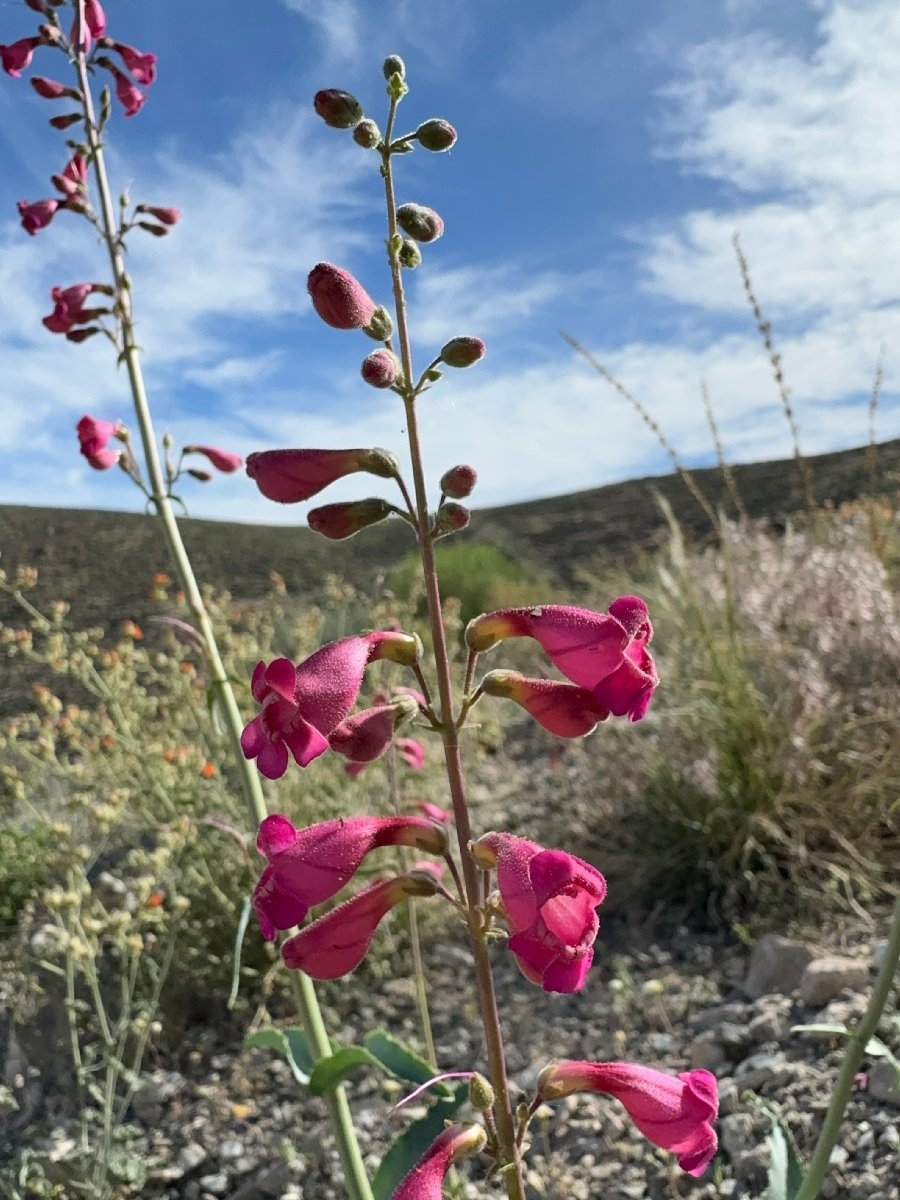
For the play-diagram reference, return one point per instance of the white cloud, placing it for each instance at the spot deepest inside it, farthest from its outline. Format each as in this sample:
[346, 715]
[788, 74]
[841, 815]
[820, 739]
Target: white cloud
[340, 23]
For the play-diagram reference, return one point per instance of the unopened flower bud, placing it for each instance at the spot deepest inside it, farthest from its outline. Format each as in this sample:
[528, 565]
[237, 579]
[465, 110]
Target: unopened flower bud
[167, 216]
[481, 1094]
[340, 299]
[436, 135]
[432, 375]
[462, 351]
[82, 335]
[156, 230]
[380, 325]
[381, 369]
[458, 482]
[367, 134]
[408, 254]
[394, 65]
[66, 121]
[337, 108]
[451, 517]
[201, 476]
[421, 223]
[339, 521]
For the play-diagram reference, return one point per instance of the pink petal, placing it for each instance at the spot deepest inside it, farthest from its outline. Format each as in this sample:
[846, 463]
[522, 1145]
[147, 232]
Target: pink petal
[276, 835]
[336, 944]
[366, 735]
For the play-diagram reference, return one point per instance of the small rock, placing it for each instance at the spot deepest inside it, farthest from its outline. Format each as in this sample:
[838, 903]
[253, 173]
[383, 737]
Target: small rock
[762, 1070]
[825, 978]
[883, 1084]
[776, 965]
[706, 1051]
[216, 1185]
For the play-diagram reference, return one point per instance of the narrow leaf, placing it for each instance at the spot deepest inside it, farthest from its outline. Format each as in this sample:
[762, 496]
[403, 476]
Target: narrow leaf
[238, 947]
[402, 1062]
[290, 1043]
[329, 1072]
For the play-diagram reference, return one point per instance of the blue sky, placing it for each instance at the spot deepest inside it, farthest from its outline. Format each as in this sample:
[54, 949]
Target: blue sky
[607, 153]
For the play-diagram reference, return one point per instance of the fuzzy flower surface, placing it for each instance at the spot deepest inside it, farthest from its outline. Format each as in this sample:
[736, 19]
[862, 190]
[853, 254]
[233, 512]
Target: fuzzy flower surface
[305, 867]
[17, 57]
[223, 460]
[37, 214]
[336, 944]
[550, 899]
[301, 705]
[339, 298]
[673, 1112]
[426, 1180]
[606, 653]
[289, 476]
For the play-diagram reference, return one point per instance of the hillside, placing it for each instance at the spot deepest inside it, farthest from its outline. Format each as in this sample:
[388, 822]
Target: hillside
[102, 562]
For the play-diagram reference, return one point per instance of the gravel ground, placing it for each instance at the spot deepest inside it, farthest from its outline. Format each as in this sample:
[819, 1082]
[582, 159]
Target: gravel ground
[216, 1120]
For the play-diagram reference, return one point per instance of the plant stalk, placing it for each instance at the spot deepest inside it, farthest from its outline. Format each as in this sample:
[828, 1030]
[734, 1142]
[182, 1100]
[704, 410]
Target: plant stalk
[510, 1164]
[856, 1049]
[357, 1182]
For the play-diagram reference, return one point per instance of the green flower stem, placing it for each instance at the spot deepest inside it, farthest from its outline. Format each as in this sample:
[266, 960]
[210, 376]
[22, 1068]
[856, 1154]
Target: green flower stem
[510, 1158]
[357, 1182]
[856, 1049]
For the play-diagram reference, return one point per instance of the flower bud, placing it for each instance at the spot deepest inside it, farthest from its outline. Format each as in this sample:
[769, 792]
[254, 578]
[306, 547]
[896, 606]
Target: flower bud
[381, 369]
[66, 121]
[337, 108]
[380, 325]
[367, 134]
[201, 476]
[290, 476]
[408, 254]
[340, 299]
[421, 223]
[481, 1094]
[436, 135]
[156, 230]
[167, 216]
[394, 65]
[458, 482]
[339, 521]
[462, 351]
[451, 517]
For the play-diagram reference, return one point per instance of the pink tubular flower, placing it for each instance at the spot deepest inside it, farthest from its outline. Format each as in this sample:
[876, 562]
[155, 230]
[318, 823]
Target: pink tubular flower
[336, 944]
[308, 866]
[550, 899]
[16, 57]
[673, 1113]
[412, 753]
[95, 18]
[426, 1180]
[603, 652]
[290, 476]
[168, 216]
[222, 460]
[563, 708]
[339, 298]
[49, 89]
[302, 705]
[141, 66]
[72, 180]
[366, 735]
[37, 215]
[131, 98]
[69, 307]
[93, 436]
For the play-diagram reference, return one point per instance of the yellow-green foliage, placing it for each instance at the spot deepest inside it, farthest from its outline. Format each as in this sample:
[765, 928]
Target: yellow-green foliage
[478, 575]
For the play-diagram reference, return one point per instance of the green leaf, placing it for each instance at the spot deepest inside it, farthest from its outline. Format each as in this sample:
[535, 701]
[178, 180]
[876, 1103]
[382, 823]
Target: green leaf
[238, 946]
[411, 1145]
[402, 1062]
[290, 1043]
[785, 1167]
[329, 1072]
[875, 1047]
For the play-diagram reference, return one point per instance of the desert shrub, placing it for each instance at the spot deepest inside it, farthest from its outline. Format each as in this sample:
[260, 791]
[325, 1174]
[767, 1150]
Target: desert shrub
[480, 576]
[765, 777]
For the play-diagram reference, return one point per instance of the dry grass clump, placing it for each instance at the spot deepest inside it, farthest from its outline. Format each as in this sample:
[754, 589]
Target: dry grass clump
[765, 783]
